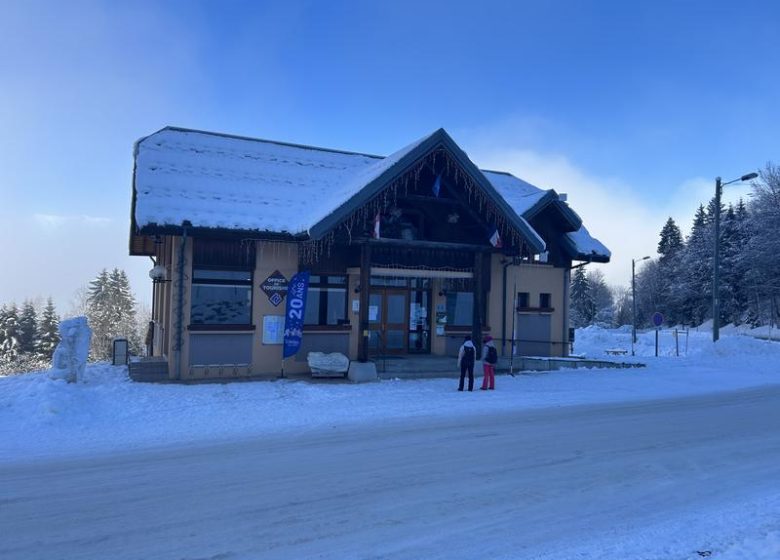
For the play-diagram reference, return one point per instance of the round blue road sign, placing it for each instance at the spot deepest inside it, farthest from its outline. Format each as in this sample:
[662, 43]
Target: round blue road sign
[658, 319]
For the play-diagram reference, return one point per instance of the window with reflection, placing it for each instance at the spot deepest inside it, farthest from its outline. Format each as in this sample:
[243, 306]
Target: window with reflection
[326, 300]
[460, 302]
[221, 297]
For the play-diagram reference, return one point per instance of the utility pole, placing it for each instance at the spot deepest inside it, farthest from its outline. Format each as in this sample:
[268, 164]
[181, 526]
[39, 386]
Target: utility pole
[716, 265]
[716, 261]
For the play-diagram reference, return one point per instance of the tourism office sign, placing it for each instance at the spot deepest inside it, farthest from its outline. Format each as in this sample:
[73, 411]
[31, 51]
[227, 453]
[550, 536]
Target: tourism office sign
[275, 287]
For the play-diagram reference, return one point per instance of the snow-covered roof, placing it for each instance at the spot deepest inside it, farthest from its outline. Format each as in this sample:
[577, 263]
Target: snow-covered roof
[521, 196]
[230, 182]
[587, 247]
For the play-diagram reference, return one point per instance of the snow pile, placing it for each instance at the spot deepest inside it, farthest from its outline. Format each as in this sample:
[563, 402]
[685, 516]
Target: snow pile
[70, 357]
[599, 343]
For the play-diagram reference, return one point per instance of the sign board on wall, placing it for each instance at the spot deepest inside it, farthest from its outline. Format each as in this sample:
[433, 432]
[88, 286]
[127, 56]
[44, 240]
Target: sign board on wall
[275, 287]
[273, 329]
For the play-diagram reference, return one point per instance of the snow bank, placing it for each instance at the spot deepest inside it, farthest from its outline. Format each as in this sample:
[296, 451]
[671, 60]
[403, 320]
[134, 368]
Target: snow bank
[43, 416]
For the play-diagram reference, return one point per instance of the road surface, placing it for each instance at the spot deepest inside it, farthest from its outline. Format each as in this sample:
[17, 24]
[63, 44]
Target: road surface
[641, 480]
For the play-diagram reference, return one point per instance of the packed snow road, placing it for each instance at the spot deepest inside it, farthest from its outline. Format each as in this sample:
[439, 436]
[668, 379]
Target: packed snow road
[658, 479]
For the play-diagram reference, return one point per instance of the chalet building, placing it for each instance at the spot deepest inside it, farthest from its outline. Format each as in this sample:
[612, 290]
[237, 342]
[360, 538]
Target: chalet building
[406, 253]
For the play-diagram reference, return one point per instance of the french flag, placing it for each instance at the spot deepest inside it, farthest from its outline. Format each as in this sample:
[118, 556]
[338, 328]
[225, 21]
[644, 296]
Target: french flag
[495, 238]
[437, 186]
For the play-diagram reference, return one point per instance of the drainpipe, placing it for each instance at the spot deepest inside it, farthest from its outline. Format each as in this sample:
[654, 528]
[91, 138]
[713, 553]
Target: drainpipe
[565, 334]
[507, 264]
[180, 298]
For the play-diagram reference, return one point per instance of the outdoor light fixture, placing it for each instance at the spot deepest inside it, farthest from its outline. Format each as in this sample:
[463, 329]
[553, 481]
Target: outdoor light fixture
[633, 300]
[158, 274]
[716, 264]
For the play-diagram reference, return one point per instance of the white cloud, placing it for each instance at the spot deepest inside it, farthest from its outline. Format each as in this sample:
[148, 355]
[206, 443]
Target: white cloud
[627, 220]
[57, 221]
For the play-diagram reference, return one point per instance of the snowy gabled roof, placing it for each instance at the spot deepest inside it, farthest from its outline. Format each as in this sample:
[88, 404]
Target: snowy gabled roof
[583, 247]
[229, 182]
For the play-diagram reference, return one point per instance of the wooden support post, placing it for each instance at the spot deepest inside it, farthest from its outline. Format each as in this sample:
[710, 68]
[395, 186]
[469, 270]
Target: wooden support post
[365, 281]
[476, 322]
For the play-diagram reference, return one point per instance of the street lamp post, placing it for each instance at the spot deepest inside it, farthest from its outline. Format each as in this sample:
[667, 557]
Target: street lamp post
[719, 184]
[633, 301]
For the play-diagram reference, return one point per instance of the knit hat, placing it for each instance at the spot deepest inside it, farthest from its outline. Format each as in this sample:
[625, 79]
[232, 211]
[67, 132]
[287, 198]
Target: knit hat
[487, 338]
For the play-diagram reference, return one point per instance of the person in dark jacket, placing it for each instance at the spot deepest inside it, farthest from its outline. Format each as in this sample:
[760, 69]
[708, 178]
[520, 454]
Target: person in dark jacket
[467, 355]
[489, 359]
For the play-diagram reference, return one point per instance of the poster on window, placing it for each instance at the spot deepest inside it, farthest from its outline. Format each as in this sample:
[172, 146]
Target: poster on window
[294, 314]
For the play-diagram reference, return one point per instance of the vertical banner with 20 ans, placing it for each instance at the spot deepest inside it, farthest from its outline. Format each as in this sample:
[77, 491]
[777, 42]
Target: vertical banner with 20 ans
[294, 314]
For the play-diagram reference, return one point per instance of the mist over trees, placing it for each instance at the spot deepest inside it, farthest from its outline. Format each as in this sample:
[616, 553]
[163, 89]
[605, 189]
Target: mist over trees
[29, 334]
[678, 283]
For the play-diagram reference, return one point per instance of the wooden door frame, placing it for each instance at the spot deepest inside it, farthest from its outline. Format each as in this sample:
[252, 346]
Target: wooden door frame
[384, 291]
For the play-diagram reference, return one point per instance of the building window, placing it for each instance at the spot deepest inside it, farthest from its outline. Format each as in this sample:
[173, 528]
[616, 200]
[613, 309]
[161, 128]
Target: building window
[545, 301]
[326, 301]
[460, 302]
[221, 297]
[460, 309]
[523, 300]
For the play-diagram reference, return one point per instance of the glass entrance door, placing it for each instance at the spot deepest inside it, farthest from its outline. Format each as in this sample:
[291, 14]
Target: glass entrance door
[419, 321]
[387, 321]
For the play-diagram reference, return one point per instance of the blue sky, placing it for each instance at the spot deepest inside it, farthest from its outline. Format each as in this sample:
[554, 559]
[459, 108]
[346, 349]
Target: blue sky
[631, 108]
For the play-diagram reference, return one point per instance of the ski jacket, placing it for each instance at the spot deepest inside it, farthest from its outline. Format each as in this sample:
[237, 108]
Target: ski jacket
[485, 350]
[462, 351]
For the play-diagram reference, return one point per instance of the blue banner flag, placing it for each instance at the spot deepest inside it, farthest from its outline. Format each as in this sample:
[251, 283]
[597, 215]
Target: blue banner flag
[437, 186]
[293, 316]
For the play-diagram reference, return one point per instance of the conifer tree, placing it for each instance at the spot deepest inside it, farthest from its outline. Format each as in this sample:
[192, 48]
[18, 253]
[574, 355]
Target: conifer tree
[9, 333]
[111, 313]
[48, 331]
[28, 328]
[671, 249]
[671, 240]
[583, 308]
[696, 284]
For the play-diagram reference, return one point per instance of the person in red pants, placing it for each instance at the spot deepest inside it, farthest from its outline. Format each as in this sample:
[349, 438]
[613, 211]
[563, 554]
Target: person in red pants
[489, 359]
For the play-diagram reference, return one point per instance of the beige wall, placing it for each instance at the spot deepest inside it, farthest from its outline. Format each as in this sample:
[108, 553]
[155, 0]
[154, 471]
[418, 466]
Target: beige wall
[534, 279]
[267, 358]
[271, 256]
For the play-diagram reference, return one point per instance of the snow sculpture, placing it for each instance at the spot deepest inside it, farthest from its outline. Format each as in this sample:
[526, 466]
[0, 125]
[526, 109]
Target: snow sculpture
[327, 364]
[70, 357]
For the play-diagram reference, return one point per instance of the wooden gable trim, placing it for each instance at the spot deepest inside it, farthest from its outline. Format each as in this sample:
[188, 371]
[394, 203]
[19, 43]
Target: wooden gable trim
[438, 139]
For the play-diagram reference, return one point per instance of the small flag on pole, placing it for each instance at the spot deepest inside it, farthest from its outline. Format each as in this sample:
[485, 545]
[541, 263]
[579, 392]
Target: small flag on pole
[495, 238]
[437, 186]
[376, 225]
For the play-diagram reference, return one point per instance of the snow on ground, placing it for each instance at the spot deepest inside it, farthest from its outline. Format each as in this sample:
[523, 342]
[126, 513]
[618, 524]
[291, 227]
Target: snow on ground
[40, 416]
[42, 419]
